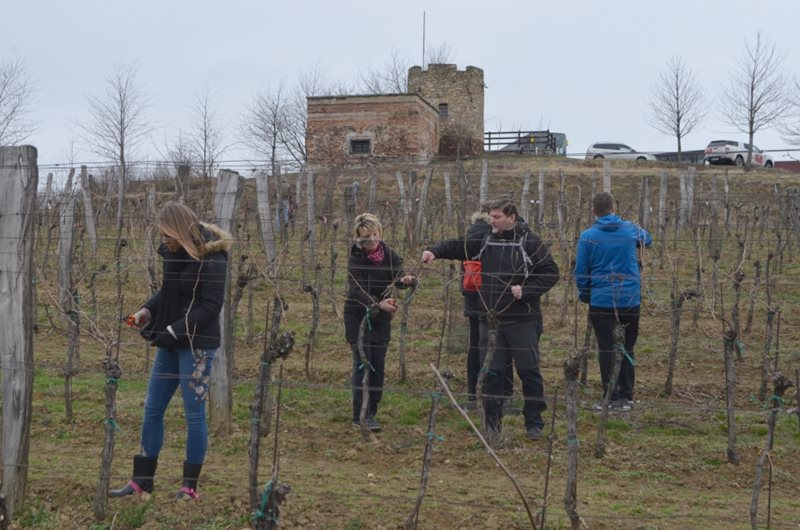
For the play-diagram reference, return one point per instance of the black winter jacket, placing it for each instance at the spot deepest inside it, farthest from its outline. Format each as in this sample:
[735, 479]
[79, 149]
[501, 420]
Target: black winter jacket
[367, 285]
[503, 265]
[192, 293]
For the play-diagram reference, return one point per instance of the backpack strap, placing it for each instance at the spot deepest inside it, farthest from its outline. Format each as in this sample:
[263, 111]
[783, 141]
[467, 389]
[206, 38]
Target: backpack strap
[485, 240]
[518, 243]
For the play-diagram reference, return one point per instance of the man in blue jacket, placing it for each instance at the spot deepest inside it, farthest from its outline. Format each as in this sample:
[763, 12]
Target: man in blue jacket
[608, 279]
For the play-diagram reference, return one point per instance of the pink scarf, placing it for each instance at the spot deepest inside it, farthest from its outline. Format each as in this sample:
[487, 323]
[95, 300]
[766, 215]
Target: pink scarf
[376, 257]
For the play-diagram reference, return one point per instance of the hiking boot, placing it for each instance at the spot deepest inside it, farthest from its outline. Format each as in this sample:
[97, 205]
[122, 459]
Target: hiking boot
[621, 405]
[534, 433]
[598, 407]
[144, 468]
[191, 473]
[372, 424]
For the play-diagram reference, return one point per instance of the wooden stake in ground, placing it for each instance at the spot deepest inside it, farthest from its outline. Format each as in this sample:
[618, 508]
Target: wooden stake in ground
[571, 372]
[264, 506]
[781, 384]
[315, 288]
[19, 177]
[676, 301]
[550, 439]
[66, 289]
[427, 456]
[113, 373]
[619, 351]
[486, 445]
[491, 320]
[766, 358]
[730, 394]
[226, 204]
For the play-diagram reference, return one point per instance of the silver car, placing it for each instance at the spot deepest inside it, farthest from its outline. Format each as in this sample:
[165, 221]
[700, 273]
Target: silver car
[615, 150]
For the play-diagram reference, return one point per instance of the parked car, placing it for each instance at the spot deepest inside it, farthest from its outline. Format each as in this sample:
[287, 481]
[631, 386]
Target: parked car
[615, 150]
[730, 152]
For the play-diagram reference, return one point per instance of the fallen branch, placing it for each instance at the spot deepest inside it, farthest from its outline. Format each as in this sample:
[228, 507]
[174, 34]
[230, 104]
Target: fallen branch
[483, 441]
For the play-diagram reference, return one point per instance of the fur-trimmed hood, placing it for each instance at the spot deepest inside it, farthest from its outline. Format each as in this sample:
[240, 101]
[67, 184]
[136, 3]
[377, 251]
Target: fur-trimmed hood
[221, 241]
[479, 216]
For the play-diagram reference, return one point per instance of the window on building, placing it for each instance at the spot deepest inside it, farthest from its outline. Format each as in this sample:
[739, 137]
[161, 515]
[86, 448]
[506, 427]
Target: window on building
[360, 147]
[443, 112]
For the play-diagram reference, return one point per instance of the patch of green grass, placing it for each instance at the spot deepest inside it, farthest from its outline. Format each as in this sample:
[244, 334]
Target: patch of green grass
[355, 524]
[655, 475]
[134, 515]
[37, 515]
[668, 430]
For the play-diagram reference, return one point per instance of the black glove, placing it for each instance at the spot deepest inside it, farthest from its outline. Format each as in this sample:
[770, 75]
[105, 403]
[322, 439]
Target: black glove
[164, 340]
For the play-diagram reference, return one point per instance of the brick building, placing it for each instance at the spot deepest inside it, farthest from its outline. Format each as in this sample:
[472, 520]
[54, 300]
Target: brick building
[442, 114]
[355, 130]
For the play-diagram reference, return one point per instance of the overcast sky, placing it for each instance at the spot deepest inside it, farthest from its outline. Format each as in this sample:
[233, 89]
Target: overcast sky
[584, 68]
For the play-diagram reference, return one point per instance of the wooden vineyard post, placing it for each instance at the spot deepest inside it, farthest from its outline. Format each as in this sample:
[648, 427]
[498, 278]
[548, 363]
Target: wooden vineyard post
[427, 457]
[730, 338]
[66, 290]
[315, 288]
[781, 384]
[226, 203]
[619, 350]
[571, 372]
[274, 348]
[19, 175]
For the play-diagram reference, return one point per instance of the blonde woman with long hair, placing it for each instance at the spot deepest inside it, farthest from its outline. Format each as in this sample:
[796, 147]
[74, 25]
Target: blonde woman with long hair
[182, 321]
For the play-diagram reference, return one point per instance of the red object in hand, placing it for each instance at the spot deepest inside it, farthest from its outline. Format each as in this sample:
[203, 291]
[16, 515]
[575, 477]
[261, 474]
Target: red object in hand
[131, 321]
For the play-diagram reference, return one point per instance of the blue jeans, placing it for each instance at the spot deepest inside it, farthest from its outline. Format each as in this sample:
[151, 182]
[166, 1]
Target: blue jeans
[190, 370]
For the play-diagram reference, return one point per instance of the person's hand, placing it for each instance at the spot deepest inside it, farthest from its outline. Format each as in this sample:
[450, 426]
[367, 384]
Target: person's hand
[389, 305]
[516, 290]
[427, 257]
[408, 280]
[141, 317]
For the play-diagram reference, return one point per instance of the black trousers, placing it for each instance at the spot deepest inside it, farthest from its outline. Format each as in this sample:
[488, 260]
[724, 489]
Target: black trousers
[376, 356]
[474, 361]
[604, 320]
[517, 342]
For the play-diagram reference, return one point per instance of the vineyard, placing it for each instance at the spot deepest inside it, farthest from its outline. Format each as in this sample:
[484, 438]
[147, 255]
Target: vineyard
[711, 441]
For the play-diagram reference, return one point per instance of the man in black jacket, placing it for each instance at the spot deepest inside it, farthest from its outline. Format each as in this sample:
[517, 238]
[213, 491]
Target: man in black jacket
[516, 269]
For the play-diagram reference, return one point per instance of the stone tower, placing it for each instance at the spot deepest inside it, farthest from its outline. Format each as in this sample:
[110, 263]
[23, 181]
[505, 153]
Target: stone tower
[458, 96]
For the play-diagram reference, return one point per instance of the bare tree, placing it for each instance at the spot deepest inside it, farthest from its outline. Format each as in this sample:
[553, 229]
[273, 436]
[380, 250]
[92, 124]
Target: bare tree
[264, 123]
[311, 82]
[178, 151]
[756, 96]
[389, 78]
[791, 126]
[117, 124]
[205, 133]
[676, 102]
[439, 54]
[16, 96]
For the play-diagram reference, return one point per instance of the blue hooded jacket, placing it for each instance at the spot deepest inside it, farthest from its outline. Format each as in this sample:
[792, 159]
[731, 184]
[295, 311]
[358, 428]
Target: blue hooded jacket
[607, 265]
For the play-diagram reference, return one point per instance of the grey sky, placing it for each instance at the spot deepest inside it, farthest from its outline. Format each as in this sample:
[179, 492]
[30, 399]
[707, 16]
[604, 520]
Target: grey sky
[584, 68]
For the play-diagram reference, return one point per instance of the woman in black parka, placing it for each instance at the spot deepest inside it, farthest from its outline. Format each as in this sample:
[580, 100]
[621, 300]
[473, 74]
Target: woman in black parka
[372, 269]
[182, 321]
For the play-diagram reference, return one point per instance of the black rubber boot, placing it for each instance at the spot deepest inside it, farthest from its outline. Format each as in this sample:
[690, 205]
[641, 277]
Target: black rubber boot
[191, 473]
[144, 469]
